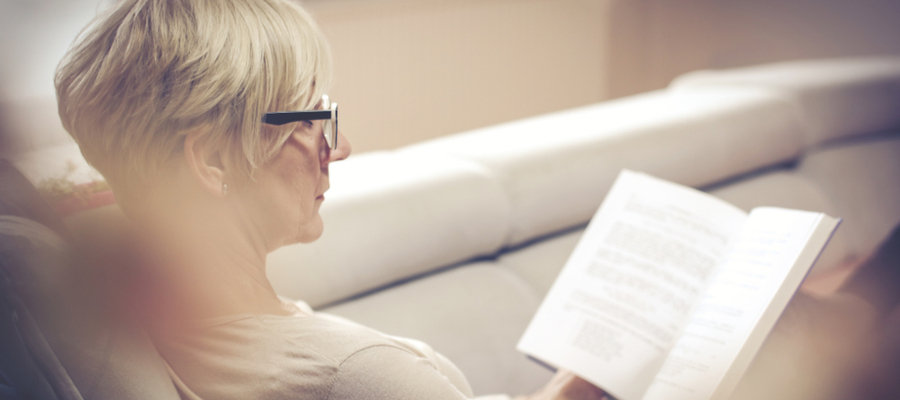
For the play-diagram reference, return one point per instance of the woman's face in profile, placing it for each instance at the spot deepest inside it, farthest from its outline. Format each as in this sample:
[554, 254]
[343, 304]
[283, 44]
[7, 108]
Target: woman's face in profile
[289, 190]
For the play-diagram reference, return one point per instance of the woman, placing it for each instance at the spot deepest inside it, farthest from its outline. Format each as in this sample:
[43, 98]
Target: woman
[176, 103]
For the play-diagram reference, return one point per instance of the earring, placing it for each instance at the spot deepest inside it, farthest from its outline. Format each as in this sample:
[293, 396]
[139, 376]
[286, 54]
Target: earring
[224, 189]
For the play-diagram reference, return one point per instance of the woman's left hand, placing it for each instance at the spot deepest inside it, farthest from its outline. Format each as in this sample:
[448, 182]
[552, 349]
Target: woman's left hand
[567, 386]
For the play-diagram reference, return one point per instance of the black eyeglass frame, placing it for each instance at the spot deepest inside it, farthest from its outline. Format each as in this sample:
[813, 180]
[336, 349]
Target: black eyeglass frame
[330, 116]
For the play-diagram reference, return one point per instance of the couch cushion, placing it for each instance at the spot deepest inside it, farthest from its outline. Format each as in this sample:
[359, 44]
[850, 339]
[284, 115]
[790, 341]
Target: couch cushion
[34, 140]
[473, 315]
[557, 168]
[540, 262]
[861, 178]
[390, 216]
[55, 162]
[839, 97]
[18, 197]
[788, 189]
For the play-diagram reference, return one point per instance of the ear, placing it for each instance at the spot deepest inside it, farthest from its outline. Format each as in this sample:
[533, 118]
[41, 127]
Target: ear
[204, 163]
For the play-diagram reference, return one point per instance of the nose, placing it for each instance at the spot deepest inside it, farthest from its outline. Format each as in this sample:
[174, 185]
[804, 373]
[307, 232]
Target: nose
[343, 149]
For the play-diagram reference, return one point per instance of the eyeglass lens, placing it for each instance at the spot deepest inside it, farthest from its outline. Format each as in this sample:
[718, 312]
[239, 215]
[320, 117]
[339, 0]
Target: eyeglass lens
[330, 126]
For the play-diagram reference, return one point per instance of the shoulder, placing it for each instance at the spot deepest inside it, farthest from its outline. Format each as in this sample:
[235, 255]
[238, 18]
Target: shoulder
[316, 337]
[391, 372]
[269, 357]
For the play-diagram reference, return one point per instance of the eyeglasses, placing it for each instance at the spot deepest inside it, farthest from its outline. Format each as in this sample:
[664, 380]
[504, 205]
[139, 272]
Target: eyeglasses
[329, 113]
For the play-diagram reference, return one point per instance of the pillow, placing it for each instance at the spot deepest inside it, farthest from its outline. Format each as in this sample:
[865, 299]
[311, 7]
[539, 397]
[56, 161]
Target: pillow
[18, 197]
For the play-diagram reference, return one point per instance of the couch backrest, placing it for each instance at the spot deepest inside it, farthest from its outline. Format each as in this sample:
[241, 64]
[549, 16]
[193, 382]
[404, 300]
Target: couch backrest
[397, 214]
[390, 216]
[32, 138]
[557, 168]
[837, 98]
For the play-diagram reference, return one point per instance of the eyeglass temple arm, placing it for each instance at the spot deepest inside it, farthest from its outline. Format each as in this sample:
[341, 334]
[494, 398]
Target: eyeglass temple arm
[284, 117]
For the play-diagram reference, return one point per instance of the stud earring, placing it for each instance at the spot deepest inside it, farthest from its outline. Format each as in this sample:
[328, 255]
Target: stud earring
[224, 189]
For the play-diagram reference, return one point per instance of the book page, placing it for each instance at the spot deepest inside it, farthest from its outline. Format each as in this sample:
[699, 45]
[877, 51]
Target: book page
[769, 260]
[629, 287]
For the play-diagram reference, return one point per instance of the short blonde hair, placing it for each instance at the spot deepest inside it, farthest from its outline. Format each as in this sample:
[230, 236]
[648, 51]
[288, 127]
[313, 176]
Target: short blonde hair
[146, 73]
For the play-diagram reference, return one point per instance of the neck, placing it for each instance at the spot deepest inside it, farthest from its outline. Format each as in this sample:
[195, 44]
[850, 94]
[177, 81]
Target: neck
[208, 263]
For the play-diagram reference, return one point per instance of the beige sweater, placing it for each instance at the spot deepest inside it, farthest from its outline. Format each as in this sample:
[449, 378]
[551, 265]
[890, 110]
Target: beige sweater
[307, 356]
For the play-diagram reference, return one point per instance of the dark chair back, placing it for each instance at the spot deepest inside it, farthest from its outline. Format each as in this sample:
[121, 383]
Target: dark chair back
[27, 364]
[60, 339]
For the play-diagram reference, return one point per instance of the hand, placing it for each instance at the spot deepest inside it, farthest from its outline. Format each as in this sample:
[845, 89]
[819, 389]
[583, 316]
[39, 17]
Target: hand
[566, 386]
[815, 351]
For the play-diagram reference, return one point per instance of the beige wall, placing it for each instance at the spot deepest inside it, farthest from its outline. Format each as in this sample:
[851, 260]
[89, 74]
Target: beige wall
[407, 71]
[653, 41]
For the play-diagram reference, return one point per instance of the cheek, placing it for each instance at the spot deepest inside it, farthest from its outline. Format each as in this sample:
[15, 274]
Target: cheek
[292, 198]
[297, 204]
[288, 187]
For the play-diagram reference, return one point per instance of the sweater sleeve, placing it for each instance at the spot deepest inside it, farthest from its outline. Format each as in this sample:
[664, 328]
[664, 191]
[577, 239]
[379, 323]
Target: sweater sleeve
[385, 372]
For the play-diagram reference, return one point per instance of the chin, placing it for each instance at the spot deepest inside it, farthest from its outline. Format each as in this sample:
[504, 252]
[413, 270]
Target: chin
[310, 232]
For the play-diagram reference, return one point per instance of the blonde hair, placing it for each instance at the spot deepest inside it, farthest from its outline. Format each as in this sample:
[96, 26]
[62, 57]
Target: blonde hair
[146, 73]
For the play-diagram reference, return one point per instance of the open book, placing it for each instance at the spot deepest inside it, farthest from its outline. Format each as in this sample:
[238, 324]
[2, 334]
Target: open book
[671, 291]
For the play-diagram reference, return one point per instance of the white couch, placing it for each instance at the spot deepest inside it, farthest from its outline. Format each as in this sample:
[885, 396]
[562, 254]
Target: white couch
[455, 241]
